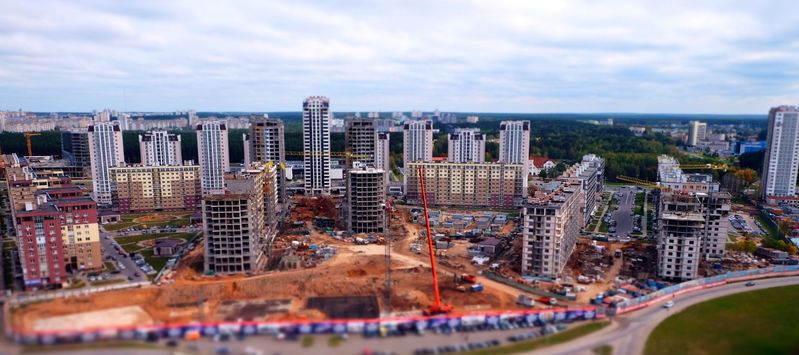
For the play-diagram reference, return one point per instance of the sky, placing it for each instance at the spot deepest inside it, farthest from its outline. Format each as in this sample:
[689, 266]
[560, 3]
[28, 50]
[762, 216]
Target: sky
[720, 57]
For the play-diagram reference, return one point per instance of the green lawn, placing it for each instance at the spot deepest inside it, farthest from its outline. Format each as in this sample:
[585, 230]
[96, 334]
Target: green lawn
[118, 226]
[178, 220]
[157, 262]
[757, 322]
[772, 231]
[110, 266]
[549, 340]
[603, 228]
[138, 238]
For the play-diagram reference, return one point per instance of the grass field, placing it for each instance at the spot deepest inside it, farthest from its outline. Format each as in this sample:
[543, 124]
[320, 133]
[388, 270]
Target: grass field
[138, 238]
[768, 226]
[757, 322]
[549, 340]
[127, 221]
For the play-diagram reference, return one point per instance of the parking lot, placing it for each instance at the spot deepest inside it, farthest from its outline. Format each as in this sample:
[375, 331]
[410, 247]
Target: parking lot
[622, 221]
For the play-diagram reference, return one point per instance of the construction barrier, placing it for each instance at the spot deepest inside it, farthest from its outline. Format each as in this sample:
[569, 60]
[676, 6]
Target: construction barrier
[526, 288]
[708, 282]
[23, 298]
[366, 327]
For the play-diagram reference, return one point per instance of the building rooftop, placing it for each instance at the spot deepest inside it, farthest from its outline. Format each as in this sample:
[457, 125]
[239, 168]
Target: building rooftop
[166, 243]
[489, 242]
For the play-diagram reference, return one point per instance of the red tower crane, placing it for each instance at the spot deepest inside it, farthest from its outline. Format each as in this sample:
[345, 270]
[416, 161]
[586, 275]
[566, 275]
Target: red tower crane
[437, 307]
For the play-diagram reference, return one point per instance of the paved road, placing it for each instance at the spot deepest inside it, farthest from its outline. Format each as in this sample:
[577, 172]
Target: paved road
[108, 242]
[623, 217]
[268, 345]
[628, 333]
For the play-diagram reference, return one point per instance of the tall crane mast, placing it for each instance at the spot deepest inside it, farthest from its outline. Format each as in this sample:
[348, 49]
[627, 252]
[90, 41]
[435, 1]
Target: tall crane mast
[437, 307]
[28, 136]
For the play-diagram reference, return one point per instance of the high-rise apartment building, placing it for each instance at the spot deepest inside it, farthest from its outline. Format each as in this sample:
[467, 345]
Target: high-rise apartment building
[159, 148]
[514, 142]
[316, 117]
[366, 198]
[466, 145]
[492, 185]
[156, 188]
[781, 160]
[75, 148]
[697, 131]
[691, 228]
[417, 143]
[266, 140]
[106, 150]
[552, 220]
[236, 221]
[360, 138]
[383, 152]
[590, 174]
[213, 155]
[56, 234]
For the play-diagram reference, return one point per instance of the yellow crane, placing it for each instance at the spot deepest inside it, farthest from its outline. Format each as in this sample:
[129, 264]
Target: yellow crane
[28, 136]
[655, 185]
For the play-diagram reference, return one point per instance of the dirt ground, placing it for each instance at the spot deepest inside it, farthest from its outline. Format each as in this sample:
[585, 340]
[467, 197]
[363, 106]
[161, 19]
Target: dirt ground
[355, 270]
[121, 316]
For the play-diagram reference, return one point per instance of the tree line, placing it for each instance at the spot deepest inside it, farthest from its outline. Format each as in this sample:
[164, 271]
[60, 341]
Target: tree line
[564, 140]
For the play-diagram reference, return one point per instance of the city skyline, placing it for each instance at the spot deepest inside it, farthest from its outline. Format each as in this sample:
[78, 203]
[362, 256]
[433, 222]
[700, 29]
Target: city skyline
[545, 57]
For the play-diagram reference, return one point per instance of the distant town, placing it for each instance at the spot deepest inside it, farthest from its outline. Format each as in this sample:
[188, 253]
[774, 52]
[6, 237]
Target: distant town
[187, 229]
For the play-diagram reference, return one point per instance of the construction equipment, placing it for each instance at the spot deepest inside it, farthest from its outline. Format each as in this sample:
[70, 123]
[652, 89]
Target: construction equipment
[655, 185]
[437, 307]
[387, 257]
[637, 181]
[28, 136]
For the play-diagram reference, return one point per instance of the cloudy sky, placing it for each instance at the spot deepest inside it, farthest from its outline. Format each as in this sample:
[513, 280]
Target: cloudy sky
[486, 56]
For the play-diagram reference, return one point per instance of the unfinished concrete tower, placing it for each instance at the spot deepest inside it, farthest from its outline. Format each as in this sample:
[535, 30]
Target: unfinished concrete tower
[366, 198]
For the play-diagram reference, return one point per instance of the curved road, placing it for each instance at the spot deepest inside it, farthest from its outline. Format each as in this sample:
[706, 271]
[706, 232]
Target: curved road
[628, 333]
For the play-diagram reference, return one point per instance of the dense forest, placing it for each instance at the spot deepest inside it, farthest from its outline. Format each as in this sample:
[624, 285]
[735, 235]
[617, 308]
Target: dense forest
[559, 139]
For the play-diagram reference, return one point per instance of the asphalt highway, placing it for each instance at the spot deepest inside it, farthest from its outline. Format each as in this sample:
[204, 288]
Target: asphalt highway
[628, 333]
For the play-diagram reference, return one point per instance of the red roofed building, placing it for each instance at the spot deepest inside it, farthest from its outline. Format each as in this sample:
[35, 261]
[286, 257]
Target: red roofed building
[538, 163]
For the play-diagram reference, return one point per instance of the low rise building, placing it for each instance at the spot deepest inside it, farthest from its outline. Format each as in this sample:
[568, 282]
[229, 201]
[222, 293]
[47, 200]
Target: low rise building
[490, 185]
[156, 188]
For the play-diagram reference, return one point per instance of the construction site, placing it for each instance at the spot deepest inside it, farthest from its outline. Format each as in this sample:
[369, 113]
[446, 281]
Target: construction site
[318, 271]
[315, 272]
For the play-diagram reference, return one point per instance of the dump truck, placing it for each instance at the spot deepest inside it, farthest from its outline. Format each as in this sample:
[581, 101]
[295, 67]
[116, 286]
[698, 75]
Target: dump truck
[525, 300]
[468, 278]
[548, 300]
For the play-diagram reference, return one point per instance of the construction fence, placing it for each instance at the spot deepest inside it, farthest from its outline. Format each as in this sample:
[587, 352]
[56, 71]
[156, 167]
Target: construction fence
[526, 288]
[708, 282]
[366, 327]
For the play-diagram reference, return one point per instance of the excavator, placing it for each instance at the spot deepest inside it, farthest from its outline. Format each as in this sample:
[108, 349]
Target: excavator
[438, 307]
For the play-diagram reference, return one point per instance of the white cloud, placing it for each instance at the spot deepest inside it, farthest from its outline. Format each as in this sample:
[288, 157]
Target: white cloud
[500, 56]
